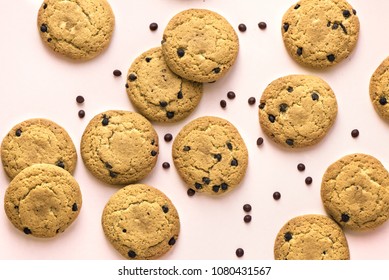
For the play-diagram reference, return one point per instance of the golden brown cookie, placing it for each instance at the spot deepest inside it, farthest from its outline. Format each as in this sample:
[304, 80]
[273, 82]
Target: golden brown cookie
[199, 45]
[158, 93]
[379, 92]
[210, 155]
[141, 222]
[78, 29]
[297, 110]
[311, 237]
[119, 147]
[37, 141]
[320, 33]
[43, 200]
[355, 192]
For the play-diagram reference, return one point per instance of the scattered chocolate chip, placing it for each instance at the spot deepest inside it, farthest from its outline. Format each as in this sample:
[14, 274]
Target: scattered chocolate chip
[60, 164]
[289, 89]
[300, 167]
[168, 137]
[272, 118]
[383, 100]
[126, 85]
[165, 165]
[112, 174]
[44, 5]
[49, 40]
[262, 25]
[234, 162]
[229, 146]
[190, 192]
[297, 6]
[345, 218]
[198, 186]
[224, 186]
[16, 207]
[308, 180]
[153, 153]
[153, 26]
[148, 59]
[172, 241]
[117, 73]
[206, 180]
[251, 100]
[105, 121]
[132, 77]
[286, 27]
[152, 142]
[355, 133]
[18, 132]
[162, 103]
[335, 26]
[315, 96]
[346, 13]
[288, 236]
[247, 208]
[242, 27]
[74, 207]
[218, 157]
[179, 95]
[124, 230]
[276, 195]
[283, 107]
[107, 165]
[230, 95]
[261, 106]
[165, 209]
[259, 141]
[354, 12]
[328, 24]
[216, 70]
[180, 52]
[239, 252]
[170, 115]
[131, 254]
[247, 218]
[331, 57]
[290, 142]
[299, 51]
[223, 103]
[43, 27]
[81, 114]
[186, 148]
[216, 188]
[80, 99]
[26, 230]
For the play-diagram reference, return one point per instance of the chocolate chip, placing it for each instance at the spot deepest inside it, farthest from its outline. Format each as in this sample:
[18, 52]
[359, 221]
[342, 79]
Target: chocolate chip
[223, 103]
[26, 230]
[354, 12]
[132, 77]
[346, 13]
[299, 51]
[152, 142]
[162, 103]
[289, 89]
[216, 70]
[262, 25]
[186, 148]
[198, 186]
[247, 218]
[355, 133]
[170, 115]
[224, 186]
[229, 146]
[190, 192]
[43, 27]
[261, 106]
[49, 40]
[117, 73]
[107, 165]
[126, 85]
[168, 137]
[331, 57]
[124, 230]
[166, 165]
[286, 27]
[131, 254]
[153, 153]
[18, 132]
[60, 164]
[44, 5]
[165, 209]
[247, 207]
[300, 167]
[239, 252]
[230, 95]
[180, 52]
[242, 27]
[179, 95]
[148, 59]
[80, 99]
[315, 96]
[283, 107]
[345, 218]
[216, 188]
[81, 114]
[251, 100]
[276, 195]
[172, 241]
[105, 121]
[74, 207]
[112, 174]
[383, 100]
[153, 26]
[308, 180]
[218, 157]
[328, 24]
[272, 118]
[335, 26]
[206, 180]
[259, 141]
[290, 142]
[288, 236]
[234, 162]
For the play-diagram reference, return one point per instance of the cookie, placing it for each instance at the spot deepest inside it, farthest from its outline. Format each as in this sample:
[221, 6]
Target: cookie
[37, 141]
[158, 93]
[140, 222]
[77, 29]
[43, 200]
[119, 147]
[297, 110]
[210, 155]
[311, 237]
[199, 45]
[320, 33]
[355, 192]
[379, 93]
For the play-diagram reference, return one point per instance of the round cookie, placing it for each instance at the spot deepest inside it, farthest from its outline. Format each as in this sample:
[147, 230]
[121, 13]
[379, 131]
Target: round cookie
[320, 33]
[42, 200]
[37, 141]
[297, 110]
[199, 45]
[210, 155]
[158, 93]
[311, 237]
[355, 192]
[379, 93]
[119, 147]
[141, 222]
[77, 29]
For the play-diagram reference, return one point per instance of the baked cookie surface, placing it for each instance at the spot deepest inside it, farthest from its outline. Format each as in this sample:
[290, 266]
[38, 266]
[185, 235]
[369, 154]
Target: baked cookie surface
[210, 155]
[77, 29]
[311, 237]
[43, 200]
[158, 93]
[140, 222]
[320, 33]
[37, 141]
[199, 45]
[355, 192]
[119, 147]
[297, 110]
[379, 92]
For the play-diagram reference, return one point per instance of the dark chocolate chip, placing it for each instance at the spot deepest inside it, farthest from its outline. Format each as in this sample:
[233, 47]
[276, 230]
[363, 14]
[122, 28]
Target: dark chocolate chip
[247, 208]
[153, 26]
[81, 114]
[224, 186]
[331, 57]
[346, 13]
[80, 99]
[165, 209]
[288, 236]
[170, 115]
[234, 162]
[272, 118]
[308, 180]
[345, 218]
[218, 157]
[16, 207]
[126, 85]
[107, 165]
[152, 142]
[242, 27]
[300, 167]
[216, 188]
[383, 100]
[276, 195]
[105, 121]
[60, 164]
[198, 186]
[262, 25]
[165, 165]
[132, 77]
[180, 52]
[148, 59]
[229, 146]
[49, 40]
[43, 27]
[231, 95]
[131, 254]
[354, 12]
[191, 192]
[162, 103]
[172, 241]
[251, 100]
[283, 107]
[261, 106]
[315, 96]
[297, 6]
[239, 252]
[216, 70]
[335, 26]
[153, 153]
[179, 95]
[289, 89]
[355, 133]
[206, 180]
[259, 141]
[328, 24]
[124, 230]
[299, 51]
[112, 174]
[44, 5]
[186, 148]
[18, 132]
[247, 218]
[168, 137]
[286, 26]
[223, 103]
[290, 142]
[26, 230]
[74, 207]
[117, 73]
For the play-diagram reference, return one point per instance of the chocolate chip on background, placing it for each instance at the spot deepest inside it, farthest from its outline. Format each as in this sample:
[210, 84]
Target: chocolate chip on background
[308, 180]
[239, 252]
[223, 103]
[190, 192]
[247, 218]
[231, 95]
[168, 137]
[81, 114]
[117, 73]
[247, 207]
[262, 25]
[259, 141]
[276, 195]
[242, 27]
[166, 165]
[300, 167]
[153, 26]
[80, 99]
[251, 100]
[355, 133]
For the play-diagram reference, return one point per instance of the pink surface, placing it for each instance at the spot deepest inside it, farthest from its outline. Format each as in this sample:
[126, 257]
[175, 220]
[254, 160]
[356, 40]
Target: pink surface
[37, 83]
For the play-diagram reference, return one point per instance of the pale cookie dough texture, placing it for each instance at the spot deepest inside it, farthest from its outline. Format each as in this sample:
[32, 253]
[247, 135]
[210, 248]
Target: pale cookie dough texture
[210, 155]
[140, 222]
[77, 29]
[158, 93]
[379, 91]
[200, 45]
[311, 237]
[37, 141]
[355, 192]
[119, 147]
[298, 110]
[43, 200]
[320, 33]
